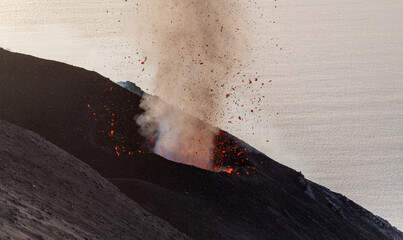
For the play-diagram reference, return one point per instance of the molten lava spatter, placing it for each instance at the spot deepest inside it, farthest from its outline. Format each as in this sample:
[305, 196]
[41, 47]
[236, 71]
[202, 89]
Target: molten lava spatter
[230, 156]
[112, 129]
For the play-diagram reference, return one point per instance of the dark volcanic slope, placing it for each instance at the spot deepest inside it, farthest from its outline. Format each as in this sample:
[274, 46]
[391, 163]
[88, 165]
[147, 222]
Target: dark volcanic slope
[48, 194]
[78, 110]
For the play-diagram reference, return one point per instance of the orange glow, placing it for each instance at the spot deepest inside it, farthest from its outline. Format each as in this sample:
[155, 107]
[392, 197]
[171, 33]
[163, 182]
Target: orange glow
[117, 152]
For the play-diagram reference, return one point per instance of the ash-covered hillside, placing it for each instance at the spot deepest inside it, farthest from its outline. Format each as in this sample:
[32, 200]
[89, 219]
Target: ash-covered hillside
[94, 119]
[48, 194]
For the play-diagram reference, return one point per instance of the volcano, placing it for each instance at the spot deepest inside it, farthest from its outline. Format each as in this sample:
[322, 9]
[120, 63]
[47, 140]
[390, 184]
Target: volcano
[93, 119]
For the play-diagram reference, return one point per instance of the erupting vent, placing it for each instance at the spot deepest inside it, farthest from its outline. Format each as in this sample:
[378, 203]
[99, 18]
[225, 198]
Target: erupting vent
[228, 154]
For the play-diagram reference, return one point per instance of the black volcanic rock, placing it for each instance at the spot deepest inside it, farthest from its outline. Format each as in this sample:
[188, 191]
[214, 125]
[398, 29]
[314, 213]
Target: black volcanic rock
[78, 110]
[48, 194]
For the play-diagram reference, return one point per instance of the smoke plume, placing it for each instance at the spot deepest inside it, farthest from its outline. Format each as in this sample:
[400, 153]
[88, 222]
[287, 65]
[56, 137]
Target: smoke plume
[194, 47]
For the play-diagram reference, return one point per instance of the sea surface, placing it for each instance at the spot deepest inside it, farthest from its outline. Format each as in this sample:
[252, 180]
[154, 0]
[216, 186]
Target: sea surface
[331, 102]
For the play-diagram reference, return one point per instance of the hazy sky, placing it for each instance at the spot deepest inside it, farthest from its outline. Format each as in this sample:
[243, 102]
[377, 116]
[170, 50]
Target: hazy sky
[332, 101]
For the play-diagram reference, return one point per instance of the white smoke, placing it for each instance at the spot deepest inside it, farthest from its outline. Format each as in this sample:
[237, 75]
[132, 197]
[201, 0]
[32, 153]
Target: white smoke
[178, 136]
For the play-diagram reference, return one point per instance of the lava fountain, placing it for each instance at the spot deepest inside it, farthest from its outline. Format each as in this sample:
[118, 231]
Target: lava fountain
[194, 47]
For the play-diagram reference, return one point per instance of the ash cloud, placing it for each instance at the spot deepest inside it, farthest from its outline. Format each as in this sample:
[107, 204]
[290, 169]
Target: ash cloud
[194, 48]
